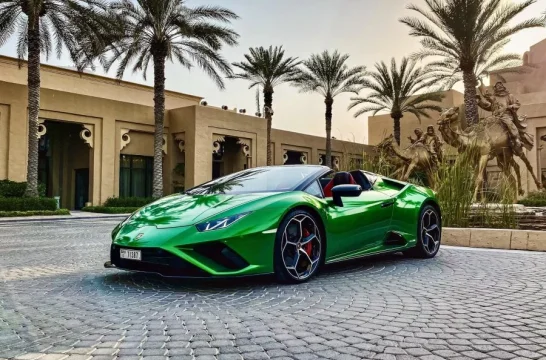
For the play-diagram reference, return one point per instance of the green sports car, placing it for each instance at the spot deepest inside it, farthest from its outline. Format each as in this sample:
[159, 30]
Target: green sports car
[284, 220]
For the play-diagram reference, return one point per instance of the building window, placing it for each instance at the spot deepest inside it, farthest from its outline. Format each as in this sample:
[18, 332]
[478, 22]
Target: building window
[135, 176]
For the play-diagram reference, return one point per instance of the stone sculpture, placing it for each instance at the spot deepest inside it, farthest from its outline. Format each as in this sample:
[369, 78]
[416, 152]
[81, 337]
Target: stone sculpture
[416, 157]
[491, 137]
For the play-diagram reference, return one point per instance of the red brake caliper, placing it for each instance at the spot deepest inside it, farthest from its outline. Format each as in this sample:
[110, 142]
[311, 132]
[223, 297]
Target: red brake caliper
[307, 247]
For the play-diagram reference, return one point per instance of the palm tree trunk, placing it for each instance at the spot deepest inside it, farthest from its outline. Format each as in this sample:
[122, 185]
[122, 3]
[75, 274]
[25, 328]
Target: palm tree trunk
[396, 121]
[268, 104]
[33, 105]
[470, 104]
[329, 101]
[159, 113]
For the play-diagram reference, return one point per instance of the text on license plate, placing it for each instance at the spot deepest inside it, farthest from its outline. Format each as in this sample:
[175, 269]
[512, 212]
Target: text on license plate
[130, 254]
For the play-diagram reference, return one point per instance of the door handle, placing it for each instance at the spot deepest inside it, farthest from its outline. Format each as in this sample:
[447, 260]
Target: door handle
[387, 203]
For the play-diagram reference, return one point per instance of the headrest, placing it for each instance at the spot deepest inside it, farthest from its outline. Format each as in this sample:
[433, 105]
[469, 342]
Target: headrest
[342, 178]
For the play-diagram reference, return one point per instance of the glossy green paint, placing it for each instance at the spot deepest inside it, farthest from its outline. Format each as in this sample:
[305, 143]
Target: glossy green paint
[359, 228]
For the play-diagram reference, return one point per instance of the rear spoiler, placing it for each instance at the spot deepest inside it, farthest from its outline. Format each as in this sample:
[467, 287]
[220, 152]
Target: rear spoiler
[395, 182]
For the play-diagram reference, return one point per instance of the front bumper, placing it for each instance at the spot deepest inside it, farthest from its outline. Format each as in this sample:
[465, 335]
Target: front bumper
[155, 260]
[185, 252]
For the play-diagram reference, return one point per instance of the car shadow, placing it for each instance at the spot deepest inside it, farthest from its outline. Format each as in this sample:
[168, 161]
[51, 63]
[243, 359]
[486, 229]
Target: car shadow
[142, 281]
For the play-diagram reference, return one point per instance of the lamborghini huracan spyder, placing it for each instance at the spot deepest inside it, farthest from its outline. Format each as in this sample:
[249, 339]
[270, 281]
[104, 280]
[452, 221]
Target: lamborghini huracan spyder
[285, 220]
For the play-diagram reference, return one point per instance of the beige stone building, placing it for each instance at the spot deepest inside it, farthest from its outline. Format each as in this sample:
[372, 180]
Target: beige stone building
[96, 137]
[528, 87]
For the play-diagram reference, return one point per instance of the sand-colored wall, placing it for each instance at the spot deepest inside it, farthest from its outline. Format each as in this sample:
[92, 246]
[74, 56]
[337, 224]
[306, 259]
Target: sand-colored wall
[61, 79]
[104, 117]
[202, 125]
[4, 136]
[313, 146]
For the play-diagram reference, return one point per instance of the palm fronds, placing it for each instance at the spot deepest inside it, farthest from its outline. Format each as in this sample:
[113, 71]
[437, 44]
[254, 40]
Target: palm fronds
[468, 36]
[170, 29]
[396, 89]
[267, 67]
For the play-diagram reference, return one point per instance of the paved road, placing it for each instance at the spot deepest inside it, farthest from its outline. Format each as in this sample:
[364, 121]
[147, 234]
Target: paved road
[57, 302]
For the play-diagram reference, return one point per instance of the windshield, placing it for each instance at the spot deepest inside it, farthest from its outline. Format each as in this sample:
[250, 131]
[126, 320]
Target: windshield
[271, 179]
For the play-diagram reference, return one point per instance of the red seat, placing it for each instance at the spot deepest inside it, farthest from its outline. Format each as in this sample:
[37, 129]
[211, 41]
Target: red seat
[340, 178]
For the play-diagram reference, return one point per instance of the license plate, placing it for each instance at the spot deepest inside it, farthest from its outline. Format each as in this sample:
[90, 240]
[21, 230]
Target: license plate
[130, 254]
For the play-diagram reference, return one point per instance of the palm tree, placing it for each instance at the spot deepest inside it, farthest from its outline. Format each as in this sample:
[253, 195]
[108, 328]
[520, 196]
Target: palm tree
[396, 90]
[445, 72]
[267, 68]
[329, 75]
[462, 33]
[161, 30]
[42, 26]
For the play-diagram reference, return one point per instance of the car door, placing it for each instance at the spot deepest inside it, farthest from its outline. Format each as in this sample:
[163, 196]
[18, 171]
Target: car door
[360, 225]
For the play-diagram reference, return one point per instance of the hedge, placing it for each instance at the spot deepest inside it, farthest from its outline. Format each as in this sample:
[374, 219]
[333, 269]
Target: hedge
[27, 204]
[14, 189]
[126, 202]
[34, 213]
[533, 202]
[10, 188]
[110, 210]
[536, 198]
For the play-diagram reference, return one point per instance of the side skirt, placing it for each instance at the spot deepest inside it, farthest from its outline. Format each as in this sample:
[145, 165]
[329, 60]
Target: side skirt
[388, 251]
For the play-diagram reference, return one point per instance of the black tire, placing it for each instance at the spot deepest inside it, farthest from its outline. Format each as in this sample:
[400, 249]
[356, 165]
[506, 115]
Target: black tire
[428, 246]
[308, 251]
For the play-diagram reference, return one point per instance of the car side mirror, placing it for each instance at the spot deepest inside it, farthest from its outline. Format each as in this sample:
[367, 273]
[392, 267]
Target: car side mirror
[340, 191]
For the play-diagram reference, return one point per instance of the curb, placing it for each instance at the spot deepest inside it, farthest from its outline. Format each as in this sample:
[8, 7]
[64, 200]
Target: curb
[44, 219]
[506, 239]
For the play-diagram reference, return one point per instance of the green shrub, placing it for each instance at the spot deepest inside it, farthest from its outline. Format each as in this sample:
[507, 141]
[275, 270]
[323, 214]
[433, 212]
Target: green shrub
[34, 213]
[536, 198]
[27, 204]
[12, 189]
[42, 190]
[127, 202]
[533, 202]
[110, 210]
[455, 188]
[16, 189]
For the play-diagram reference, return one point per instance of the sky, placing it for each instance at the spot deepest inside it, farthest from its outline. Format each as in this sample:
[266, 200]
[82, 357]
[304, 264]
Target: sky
[368, 30]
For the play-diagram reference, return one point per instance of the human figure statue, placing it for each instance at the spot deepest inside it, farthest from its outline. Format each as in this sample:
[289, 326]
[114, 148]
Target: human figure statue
[505, 106]
[434, 144]
[419, 137]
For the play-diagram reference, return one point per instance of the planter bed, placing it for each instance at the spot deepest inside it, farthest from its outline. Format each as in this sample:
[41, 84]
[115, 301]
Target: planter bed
[495, 238]
[110, 210]
[4, 214]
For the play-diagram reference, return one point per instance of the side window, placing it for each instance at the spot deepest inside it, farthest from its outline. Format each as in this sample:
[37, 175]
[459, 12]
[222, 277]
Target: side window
[314, 189]
[371, 177]
[323, 181]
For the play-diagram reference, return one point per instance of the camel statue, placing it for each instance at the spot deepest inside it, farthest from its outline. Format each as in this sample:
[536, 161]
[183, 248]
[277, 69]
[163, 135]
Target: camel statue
[414, 157]
[491, 140]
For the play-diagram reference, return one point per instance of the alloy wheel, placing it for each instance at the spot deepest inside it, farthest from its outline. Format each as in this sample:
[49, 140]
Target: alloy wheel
[430, 231]
[301, 247]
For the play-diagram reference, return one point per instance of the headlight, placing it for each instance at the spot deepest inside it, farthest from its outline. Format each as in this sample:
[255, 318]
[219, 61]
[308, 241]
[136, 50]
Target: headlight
[219, 223]
[120, 225]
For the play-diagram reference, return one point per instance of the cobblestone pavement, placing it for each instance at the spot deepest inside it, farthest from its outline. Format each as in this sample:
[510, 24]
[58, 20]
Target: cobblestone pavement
[58, 302]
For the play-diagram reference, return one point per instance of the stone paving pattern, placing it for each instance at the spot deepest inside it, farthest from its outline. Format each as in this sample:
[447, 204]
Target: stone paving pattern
[58, 302]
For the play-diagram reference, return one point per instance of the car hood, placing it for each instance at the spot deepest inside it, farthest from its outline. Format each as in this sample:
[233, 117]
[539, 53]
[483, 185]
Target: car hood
[184, 210]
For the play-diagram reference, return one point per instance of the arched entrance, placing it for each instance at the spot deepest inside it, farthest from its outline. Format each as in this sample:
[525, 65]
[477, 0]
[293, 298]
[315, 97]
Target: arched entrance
[64, 153]
[292, 157]
[229, 155]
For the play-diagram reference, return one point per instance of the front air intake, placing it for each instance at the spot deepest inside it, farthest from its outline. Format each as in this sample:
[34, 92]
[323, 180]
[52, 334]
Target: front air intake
[221, 254]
